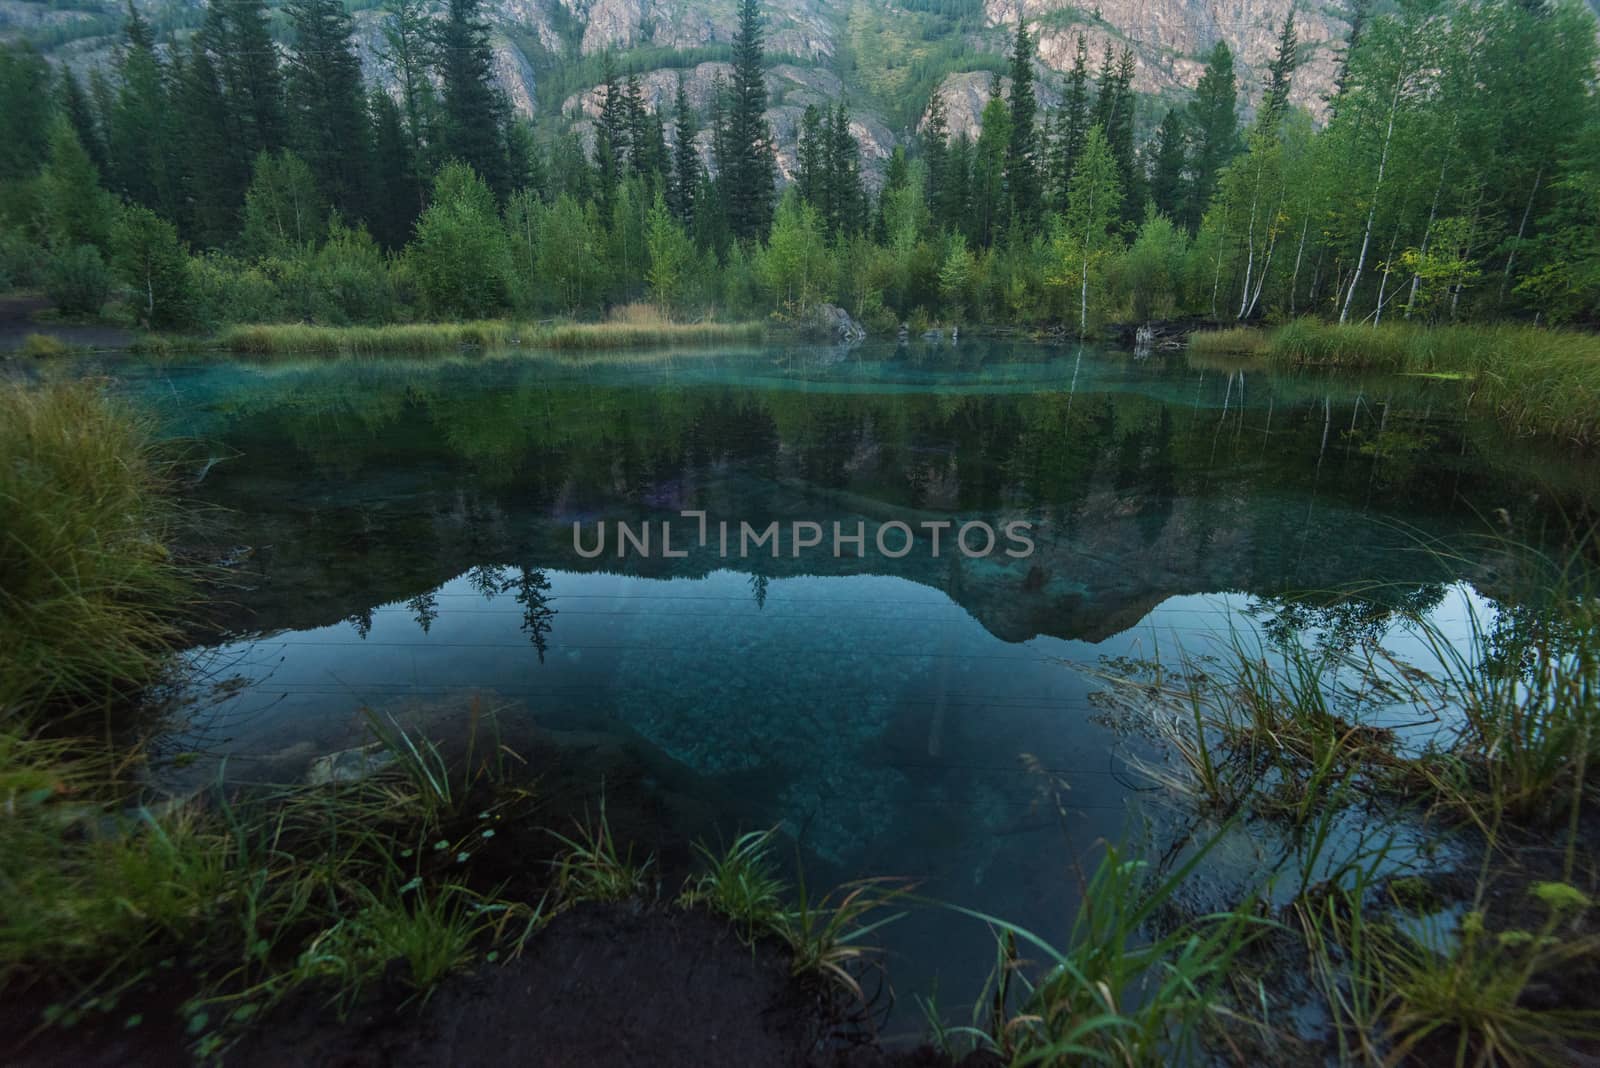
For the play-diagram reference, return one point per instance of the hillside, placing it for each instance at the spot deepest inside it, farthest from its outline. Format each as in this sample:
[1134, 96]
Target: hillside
[886, 59]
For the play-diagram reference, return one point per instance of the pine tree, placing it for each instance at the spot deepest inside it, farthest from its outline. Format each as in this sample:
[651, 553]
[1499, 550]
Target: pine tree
[474, 108]
[749, 171]
[1022, 162]
[326, 111]
[686, 171]
[25, 112]
[637, 120]
[1281, 72]
[1167, 166]
[1214, 127]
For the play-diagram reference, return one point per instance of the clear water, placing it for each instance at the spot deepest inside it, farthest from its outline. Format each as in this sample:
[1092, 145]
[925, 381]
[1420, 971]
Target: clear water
[401, 537]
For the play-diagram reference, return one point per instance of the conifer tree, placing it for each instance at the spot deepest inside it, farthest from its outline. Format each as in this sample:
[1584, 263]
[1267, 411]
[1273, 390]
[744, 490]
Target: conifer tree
[409, 51]
[686, 171]
[474, 108]
[1280, 73]
[811, 151]
[846, 199]
[25, 117]
[1167, 165]
[80, 113]
[1214, 127]
[326, 111]
[749, 168]
[142, 133]
[610, 138]
[935, 143]
[1022, 164]
[248, 68]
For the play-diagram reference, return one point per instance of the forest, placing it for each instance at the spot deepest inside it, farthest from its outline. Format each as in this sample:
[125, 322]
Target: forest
[206, 181]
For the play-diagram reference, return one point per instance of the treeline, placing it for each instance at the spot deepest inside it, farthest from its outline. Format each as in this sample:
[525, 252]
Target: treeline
[1454, 180]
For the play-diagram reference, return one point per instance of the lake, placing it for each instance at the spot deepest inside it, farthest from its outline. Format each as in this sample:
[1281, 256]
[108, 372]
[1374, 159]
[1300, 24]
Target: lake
[399, 536]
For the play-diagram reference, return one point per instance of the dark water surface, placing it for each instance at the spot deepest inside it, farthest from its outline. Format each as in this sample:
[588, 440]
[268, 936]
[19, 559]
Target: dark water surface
[401, 535]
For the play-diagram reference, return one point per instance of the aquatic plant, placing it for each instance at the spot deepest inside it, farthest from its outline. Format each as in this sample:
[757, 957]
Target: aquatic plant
[1121, 990]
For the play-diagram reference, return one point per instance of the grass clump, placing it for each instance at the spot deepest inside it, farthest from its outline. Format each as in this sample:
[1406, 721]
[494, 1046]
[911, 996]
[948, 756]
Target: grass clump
[741, 884]
[591, 868]
[88, 588]
[1233, 341]
[42, 347]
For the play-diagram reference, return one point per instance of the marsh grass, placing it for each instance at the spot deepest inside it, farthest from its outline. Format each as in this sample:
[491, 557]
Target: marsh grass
[88, 589]
[1533, 380]
[827, 936]
[1397, 995]
[1233, 341]
[301, 338]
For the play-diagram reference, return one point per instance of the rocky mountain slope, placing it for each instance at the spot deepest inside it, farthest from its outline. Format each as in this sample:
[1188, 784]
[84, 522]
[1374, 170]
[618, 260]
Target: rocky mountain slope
[886, 58]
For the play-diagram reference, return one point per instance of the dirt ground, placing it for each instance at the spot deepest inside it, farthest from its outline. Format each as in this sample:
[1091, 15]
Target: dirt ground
[19, 317]
[603, 985]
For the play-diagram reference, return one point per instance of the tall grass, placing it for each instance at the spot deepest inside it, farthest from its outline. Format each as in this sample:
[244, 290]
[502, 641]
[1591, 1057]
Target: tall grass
[1533, 380]
[88, 588]
[290, 338]
[1233, 341]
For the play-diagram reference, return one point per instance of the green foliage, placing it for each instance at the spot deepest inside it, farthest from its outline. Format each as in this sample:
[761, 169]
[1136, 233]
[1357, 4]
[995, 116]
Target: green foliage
[793, 267]
[156, 266]
[741, 884]
[460, 260]
[283, 212]
[78, 281]
[672, 256]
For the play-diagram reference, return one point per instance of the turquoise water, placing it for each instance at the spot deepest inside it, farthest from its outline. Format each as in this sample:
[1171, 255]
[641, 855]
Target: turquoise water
[400, 537]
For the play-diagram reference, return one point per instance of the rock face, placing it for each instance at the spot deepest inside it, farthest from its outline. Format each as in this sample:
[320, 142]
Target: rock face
[822, 51]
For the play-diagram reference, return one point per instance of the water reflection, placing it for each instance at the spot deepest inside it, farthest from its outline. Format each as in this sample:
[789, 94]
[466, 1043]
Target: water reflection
[404, 534]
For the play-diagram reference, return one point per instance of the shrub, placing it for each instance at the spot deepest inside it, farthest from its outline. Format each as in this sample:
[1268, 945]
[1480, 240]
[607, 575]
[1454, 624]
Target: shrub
[78, 280]
[42, 346]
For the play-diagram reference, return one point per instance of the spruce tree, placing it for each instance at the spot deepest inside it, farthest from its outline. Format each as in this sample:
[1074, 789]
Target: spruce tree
[1167, 166]
[327, 112]
[749, 169]
[1214, 127]
[142, 134]
[80, 113]
[395, 208]
[409, 52]
[25, 112]
[986, 219]
[610, 138]
[248, 68]
[846, 199]
[686, 171]
[1119, 137]
[1074, 122]
[212, 174]
[474, 108]
[1280, 74]
[1022, 163]
[935, 144]
[811, 151]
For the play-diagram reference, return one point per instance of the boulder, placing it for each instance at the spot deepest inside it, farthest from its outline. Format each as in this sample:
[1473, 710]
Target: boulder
[835, 324]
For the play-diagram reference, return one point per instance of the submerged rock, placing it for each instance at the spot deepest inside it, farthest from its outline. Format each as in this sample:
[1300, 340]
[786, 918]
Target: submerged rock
[349, 765]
